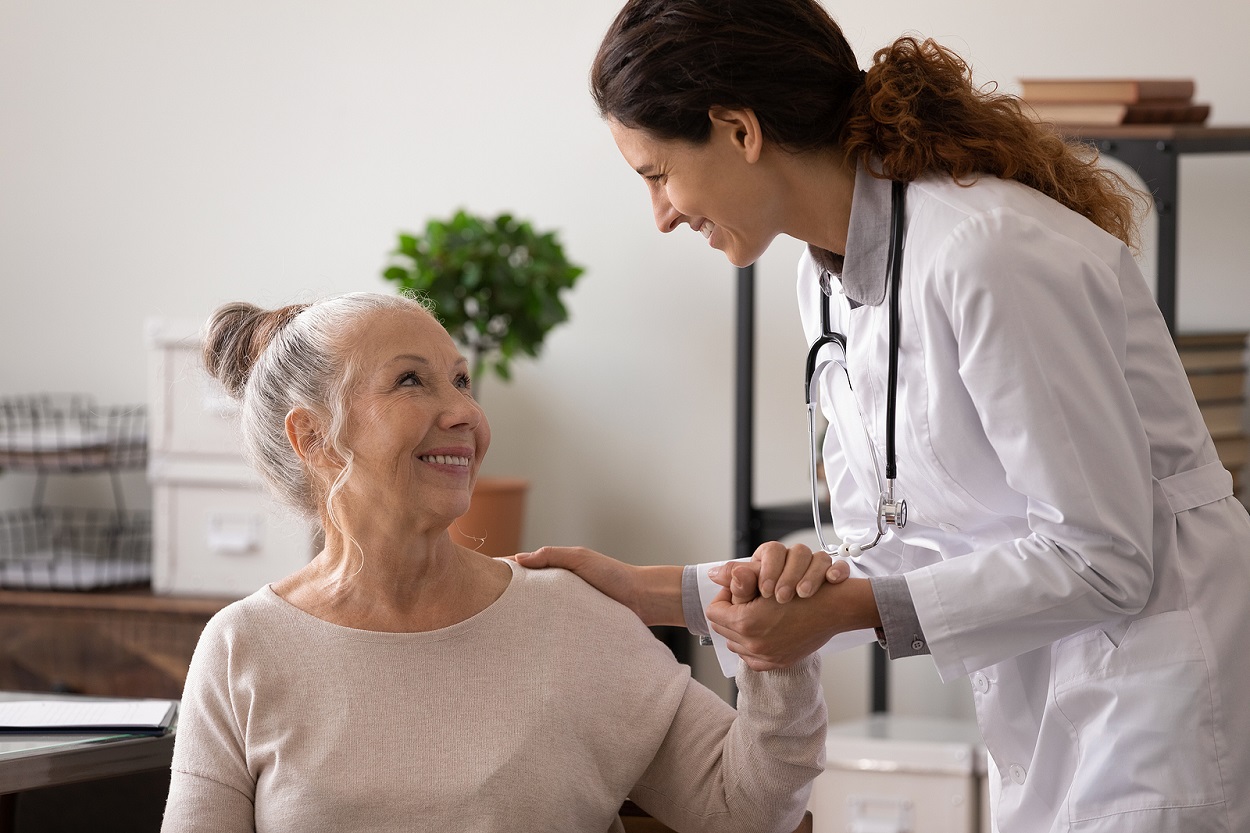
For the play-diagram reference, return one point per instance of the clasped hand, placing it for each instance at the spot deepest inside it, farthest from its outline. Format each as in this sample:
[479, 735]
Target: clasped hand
[775, 609]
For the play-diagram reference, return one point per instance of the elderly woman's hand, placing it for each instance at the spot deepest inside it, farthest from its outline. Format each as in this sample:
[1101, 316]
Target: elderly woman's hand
[769, 635]
[776, 571]
[652, 593]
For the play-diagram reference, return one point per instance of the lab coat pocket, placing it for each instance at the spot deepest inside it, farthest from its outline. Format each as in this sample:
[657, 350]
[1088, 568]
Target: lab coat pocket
[1142, 714]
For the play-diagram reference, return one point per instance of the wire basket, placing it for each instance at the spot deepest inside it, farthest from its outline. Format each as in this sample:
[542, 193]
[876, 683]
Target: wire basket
[74, 549]
[70, 433]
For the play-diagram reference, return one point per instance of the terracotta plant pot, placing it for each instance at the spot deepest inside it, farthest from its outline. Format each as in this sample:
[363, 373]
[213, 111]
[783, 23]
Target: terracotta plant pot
[496, 517]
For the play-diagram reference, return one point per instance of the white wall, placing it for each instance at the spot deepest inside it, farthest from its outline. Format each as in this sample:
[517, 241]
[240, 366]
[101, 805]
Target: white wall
[160, 158]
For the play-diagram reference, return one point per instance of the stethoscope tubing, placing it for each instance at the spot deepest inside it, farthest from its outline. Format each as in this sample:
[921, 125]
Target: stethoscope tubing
[889, 510]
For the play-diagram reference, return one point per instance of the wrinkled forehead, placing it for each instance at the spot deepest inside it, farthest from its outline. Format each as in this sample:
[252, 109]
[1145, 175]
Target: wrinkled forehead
[379, 336]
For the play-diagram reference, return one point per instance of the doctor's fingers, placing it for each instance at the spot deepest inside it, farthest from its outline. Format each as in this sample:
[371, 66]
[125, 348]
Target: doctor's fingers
[839, 571]
[743, 583]
[741, 577]
[615, 579]
[787, 571]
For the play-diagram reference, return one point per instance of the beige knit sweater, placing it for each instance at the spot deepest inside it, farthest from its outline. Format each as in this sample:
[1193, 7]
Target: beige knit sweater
[541, 713]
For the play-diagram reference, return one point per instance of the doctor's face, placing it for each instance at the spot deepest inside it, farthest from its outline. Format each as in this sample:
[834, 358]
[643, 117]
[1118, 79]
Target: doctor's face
[712, 187]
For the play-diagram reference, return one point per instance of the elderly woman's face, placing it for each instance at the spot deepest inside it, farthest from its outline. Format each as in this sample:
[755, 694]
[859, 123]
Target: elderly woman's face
[416, 433]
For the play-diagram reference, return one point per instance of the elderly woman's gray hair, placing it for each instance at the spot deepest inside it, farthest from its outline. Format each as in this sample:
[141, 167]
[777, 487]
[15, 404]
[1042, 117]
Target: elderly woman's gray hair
[275, 361]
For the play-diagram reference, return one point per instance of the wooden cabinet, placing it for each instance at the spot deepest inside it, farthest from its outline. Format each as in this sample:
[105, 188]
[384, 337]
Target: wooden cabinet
[122, 644]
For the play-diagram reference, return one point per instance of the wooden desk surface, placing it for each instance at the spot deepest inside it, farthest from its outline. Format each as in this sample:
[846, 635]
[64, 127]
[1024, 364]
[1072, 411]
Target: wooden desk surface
[134, 600]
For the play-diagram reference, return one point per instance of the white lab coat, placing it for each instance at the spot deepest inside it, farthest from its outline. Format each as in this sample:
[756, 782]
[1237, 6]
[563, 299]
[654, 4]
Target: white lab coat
[1072, 542]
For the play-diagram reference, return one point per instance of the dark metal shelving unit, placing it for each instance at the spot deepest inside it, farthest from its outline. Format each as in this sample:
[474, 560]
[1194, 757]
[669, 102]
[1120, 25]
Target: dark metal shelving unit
[1152, 151]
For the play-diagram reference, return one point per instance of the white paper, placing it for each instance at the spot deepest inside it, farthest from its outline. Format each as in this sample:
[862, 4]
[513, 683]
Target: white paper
[69, 714]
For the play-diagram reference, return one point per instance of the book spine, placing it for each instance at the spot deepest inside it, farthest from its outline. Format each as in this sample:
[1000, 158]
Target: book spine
[1107, 90]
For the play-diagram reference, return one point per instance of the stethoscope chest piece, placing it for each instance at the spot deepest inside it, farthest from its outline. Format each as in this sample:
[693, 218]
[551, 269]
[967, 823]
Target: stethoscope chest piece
[892, 512]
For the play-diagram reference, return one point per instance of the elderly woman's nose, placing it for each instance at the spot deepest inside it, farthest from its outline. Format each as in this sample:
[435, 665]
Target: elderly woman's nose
[460, 409]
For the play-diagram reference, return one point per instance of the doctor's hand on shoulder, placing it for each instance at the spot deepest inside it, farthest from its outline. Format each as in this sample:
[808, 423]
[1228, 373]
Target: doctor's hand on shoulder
[652, 593]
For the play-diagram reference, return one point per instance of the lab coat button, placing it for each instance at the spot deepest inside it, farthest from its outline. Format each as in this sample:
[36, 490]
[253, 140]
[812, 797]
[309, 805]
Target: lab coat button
[1017, 773]
[980, 682]
[917, 645]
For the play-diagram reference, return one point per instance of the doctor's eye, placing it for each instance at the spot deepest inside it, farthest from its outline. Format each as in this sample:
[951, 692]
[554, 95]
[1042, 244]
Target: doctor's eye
[464, 383]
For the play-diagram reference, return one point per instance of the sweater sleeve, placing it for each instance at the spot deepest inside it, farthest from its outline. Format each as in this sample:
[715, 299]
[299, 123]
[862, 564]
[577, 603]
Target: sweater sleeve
[717, 771]
[210, 787]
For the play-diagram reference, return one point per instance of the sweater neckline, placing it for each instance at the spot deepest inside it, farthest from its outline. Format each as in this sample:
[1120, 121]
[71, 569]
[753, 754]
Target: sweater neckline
[495, 610]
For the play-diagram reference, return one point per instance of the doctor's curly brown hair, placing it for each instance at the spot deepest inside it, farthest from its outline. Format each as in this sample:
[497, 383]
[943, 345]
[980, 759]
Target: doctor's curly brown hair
[664, 63]
[918, 112]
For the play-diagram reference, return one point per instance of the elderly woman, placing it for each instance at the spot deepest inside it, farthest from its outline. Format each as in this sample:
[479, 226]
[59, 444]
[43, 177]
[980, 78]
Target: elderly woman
[402, 682]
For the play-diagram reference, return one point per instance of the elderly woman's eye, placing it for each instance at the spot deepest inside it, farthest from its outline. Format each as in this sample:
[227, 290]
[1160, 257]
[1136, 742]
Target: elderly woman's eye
[409, 379]
[463, 382]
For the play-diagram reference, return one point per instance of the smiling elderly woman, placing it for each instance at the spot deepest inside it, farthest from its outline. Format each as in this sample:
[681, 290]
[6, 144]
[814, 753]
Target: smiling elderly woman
[402, 682]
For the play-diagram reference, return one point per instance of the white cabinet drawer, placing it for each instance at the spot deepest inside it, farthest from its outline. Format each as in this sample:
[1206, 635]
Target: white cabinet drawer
[217, 539]
[895, 774]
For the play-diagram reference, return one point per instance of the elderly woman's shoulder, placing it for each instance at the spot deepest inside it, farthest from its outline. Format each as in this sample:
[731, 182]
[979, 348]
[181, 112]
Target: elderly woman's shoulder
[572, 592]
[261, 609]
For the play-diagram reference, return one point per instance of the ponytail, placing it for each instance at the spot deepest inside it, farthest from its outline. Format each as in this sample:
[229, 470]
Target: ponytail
[919, 112]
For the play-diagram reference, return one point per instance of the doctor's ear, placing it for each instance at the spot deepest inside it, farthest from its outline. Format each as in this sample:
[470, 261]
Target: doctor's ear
[741, 127]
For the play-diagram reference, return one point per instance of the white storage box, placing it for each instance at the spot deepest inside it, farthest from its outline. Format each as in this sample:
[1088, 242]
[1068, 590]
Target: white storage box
[190, 413]
[216, 532]
[890, 774]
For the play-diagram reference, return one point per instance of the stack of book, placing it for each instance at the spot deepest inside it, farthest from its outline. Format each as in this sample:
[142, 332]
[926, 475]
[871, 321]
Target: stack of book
[1216, 366]
[1106, 102]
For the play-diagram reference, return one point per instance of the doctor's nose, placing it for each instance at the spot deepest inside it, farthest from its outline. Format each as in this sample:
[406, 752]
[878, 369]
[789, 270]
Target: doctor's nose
[667, 218]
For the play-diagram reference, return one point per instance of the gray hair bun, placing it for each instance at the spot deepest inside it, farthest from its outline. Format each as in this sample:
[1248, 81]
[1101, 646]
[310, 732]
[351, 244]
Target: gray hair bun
[237, 335]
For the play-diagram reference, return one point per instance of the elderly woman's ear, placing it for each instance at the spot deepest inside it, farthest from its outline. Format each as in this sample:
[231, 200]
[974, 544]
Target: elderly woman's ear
[307, 436]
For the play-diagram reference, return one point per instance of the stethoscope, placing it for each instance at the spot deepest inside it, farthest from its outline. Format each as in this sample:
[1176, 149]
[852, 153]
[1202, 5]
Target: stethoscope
[891, 511]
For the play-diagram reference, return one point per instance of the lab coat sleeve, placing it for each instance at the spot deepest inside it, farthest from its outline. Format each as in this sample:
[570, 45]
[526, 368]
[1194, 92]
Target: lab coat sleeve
[1040, 324]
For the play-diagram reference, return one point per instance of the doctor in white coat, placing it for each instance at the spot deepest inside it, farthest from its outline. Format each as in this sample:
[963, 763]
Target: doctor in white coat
[1072, 543]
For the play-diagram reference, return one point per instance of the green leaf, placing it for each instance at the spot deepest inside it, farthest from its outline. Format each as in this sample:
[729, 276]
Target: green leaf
[495, 283]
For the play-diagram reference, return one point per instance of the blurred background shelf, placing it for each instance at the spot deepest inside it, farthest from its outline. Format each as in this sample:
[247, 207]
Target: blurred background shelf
[1215, 363]
[46, 547]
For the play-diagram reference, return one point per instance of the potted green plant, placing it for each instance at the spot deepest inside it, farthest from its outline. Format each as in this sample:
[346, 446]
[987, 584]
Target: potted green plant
[495, 283]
